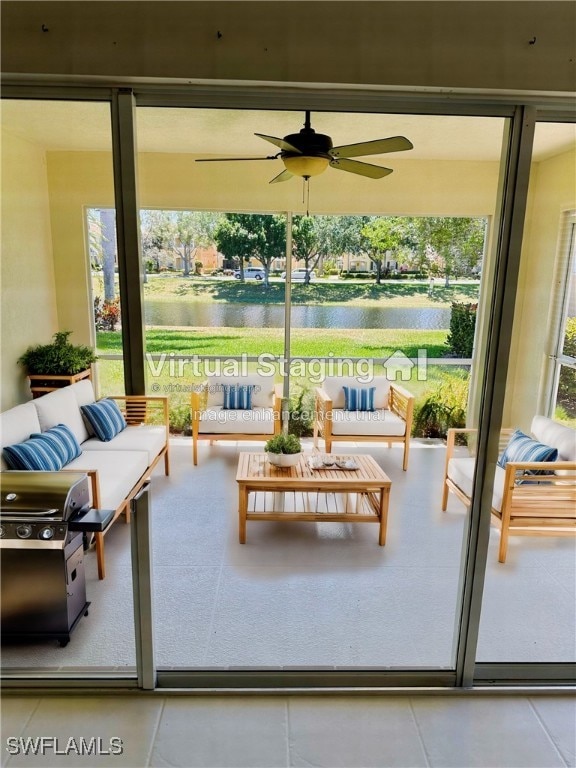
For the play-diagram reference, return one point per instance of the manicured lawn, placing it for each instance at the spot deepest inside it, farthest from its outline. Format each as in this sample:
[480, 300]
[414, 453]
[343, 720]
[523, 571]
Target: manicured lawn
[391, 293]
[252, 342]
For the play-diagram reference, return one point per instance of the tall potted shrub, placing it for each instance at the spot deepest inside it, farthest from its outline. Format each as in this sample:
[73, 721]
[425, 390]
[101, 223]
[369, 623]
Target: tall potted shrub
[58, 364]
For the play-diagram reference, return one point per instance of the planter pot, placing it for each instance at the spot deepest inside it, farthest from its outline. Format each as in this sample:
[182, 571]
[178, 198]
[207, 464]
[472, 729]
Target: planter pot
[40, 384]
[283, 459]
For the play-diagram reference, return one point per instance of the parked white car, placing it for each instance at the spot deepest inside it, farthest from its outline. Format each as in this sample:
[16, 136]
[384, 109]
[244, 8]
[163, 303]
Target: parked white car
[299, 275]
[250, 273]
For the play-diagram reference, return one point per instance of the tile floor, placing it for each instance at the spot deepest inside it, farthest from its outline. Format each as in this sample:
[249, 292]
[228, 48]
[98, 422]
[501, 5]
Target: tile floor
[452, 731]
[310, 594]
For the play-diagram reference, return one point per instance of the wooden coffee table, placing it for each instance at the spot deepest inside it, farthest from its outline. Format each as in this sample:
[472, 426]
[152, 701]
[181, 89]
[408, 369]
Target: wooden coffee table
[299, 493]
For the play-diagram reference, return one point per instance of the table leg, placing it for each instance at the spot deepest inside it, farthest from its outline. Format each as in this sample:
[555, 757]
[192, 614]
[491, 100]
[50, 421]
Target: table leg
[242, 510]
[384, 499]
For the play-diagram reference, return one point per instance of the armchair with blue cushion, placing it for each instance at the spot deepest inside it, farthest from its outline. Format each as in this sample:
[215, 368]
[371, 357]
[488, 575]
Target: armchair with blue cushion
[352, 411]
[235, 408]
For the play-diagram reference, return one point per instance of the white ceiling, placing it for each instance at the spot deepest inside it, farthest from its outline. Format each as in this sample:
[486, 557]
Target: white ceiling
[80, 126]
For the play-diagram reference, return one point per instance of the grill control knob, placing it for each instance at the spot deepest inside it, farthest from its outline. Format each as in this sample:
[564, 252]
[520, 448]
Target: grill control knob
[2, 531]
[46, 533]
[24, 531]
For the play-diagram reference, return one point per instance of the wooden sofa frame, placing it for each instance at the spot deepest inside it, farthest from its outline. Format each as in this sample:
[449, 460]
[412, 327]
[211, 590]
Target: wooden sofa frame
[532, 505]
[198, 406]
[137, 409]
[401, 403]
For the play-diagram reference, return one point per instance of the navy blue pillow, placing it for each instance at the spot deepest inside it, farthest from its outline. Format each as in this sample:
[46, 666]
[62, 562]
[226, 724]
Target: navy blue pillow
[359, 398]
[105, 418]
[33, 454]
[522, 448]
[62, 440]
[238, 397]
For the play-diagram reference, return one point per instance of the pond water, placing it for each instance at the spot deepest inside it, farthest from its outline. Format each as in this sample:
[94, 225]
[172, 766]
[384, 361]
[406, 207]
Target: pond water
[159, 312]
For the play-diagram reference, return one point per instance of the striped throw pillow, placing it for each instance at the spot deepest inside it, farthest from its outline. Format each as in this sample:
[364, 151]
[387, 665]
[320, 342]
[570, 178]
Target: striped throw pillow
[521, 447]
[105, 418]
[359, 398]
[33, 454]
[63, 440]
[238, 397]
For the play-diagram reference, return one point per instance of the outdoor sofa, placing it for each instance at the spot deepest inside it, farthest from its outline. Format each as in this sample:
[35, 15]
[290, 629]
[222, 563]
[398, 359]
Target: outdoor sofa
[118, 467]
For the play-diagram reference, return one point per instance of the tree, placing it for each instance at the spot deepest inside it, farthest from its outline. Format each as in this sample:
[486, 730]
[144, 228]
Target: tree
[306, 243]
[180, 233]
[383, 236]
[453, 244]
[155, 235]
[251, 235]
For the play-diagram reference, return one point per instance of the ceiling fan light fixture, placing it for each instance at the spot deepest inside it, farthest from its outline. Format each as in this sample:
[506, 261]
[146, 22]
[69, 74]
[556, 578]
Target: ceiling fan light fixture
[305, 165]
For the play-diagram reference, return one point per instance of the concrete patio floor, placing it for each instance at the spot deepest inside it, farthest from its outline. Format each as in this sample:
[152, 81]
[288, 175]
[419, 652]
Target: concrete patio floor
[314, 594]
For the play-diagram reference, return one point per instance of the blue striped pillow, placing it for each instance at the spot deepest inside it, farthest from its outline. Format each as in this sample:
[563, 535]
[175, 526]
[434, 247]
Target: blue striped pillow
[238, 397]
[359, 398]
[33, 454]
[523, 448]
[63, 440]
[105, 418]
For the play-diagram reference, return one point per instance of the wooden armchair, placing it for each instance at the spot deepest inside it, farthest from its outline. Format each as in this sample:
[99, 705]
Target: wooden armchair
[389, 422]
[212, 421]
[523, 504]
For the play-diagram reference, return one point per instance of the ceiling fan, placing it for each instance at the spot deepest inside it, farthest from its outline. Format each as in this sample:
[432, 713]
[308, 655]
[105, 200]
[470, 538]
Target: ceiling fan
[308, 153]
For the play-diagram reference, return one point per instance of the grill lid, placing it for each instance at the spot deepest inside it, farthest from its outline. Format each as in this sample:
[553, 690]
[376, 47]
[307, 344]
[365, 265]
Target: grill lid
[58, 495]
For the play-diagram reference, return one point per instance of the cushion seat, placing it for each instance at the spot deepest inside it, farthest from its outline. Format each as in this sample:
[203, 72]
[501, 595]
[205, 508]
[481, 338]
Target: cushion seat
[461, 472]
[144, 437]
[218, 420]
[118, 472]
[380, 422]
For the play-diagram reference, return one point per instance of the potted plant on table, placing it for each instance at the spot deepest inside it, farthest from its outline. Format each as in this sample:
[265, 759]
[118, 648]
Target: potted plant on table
[58, 364]
[283, 450]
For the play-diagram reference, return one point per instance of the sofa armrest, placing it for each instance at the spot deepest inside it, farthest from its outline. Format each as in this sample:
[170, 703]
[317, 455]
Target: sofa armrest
[402, 404]
[144, 409]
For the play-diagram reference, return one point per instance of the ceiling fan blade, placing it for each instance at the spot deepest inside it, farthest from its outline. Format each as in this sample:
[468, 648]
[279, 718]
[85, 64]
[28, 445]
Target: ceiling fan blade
[376, 147]
[231, 159]
[362, 169]
[279, 143]
[284, 176]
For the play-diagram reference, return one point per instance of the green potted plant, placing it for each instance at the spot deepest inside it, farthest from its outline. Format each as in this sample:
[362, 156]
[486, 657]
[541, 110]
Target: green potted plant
[283, 450]
[55, 365]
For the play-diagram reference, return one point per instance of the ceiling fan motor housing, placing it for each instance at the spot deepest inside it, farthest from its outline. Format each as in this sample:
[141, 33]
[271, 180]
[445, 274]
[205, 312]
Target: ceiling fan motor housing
[310, 143]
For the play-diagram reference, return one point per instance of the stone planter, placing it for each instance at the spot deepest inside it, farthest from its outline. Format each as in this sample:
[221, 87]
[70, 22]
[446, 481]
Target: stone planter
[283, 459]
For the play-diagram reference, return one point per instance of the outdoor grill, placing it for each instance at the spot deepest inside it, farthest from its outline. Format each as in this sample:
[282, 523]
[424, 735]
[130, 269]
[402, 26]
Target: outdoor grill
[43, 516]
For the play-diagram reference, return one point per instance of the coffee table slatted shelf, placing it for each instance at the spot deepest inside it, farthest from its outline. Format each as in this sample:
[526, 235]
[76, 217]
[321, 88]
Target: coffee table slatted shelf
[300, 493]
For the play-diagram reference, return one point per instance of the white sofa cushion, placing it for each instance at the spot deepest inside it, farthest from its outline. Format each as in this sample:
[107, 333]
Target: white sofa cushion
[262, 395]
[17, 424]
[556, 435]
[143, 437]
[334, 388]
[369, 423]
[461, 472]
[84, 392]
[118, 472]
[61, 407]
[216, 420]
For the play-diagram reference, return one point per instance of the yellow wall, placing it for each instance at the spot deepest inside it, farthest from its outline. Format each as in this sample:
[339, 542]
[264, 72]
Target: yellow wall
[77, 180]
[27, 277]
[552, 192]
[473, 44]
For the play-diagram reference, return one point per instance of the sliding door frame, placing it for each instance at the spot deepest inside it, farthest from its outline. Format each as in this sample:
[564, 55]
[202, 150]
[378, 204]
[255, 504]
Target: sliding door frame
[521, 115]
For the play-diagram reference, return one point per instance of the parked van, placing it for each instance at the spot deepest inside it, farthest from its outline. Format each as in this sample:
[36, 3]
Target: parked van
[299, 275]
[250, 273]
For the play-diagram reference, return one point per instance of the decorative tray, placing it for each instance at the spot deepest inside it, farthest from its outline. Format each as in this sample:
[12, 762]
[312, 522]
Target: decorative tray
[326, 461]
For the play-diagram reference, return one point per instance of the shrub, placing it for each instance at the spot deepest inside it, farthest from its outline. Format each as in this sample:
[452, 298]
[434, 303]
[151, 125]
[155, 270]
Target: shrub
[300, 409]
[462, 326]
[443, 407]
[60, 358]
[106, 314]
[567, 380]
[180, 419]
